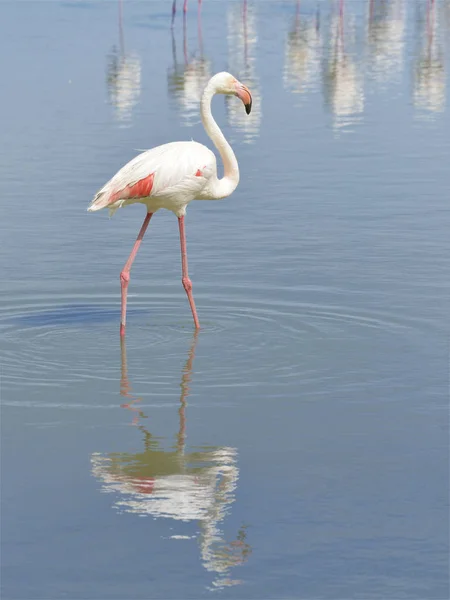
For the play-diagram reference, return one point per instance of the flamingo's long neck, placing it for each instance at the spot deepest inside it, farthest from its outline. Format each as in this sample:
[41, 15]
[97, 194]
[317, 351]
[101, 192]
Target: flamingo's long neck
[225, 186]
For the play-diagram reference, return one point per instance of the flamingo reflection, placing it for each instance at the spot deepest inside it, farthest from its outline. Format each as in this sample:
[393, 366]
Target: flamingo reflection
[303, 52]
[242, 45]
[123, 77]
[185, 7]
[343, 84]
[386, 38]
[187, 79]
[429, 75]
[175, 483]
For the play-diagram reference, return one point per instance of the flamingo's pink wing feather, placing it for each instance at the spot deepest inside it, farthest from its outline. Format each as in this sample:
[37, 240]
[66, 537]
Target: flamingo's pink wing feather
[179, 166]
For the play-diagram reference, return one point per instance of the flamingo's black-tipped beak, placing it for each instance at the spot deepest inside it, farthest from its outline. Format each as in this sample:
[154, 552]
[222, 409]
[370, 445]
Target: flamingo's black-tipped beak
[244, 94]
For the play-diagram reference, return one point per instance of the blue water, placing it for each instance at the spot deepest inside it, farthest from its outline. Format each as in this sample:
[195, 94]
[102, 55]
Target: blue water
[298, 446]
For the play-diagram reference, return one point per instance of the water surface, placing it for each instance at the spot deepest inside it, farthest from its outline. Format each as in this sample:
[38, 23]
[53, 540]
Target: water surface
[297, 447]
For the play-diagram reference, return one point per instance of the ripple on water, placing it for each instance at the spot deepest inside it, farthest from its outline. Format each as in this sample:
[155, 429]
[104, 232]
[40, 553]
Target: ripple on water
[50, 342]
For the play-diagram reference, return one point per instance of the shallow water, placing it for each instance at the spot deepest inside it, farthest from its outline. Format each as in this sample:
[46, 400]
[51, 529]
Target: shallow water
[297, 447]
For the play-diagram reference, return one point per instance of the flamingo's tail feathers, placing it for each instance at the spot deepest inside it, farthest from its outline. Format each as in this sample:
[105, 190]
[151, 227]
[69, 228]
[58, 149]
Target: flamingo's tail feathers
[101, 200]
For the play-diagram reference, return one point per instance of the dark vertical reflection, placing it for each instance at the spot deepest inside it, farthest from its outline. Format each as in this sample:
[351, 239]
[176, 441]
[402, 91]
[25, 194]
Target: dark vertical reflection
[123, 77]
[185, 7]
[176, 482]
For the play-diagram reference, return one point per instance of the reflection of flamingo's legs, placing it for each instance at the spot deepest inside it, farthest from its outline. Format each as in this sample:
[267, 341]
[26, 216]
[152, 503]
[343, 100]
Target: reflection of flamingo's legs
[185, 41]
[430, 23]
[125, 387]
[174, 10]
[174, 51]
[185, 381]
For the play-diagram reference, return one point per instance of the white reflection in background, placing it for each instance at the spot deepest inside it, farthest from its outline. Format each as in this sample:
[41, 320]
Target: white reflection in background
[429, 82]
[321, 45]
[386, 27]
[303, 52]
[123, 78]
[242, 40]
[343, 82]
[187, 79]
[173, 483]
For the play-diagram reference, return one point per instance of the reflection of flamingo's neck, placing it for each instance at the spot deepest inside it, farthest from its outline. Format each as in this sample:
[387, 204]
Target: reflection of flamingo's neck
[217, 554]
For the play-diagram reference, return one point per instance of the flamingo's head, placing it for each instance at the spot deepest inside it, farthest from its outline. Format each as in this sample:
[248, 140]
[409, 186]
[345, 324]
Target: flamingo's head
[224, 83]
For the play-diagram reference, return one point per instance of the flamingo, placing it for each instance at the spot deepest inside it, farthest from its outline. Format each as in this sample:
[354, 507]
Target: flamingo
[171, 175]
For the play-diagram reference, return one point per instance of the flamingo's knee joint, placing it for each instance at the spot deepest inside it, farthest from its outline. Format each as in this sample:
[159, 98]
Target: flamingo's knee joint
[187, 284]
[124, 278]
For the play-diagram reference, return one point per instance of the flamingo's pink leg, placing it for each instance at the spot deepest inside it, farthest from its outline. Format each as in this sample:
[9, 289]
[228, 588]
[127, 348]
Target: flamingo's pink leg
[185, 6]
[187, 283]
[125, 274]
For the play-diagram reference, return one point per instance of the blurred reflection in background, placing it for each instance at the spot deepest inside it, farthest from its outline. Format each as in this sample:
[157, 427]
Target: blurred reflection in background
[429, 82]
[446, 19]
[188, 78]
[123, 78]
[386, 39]
[303, 52]
[175, 483]
[185, 7]
[242, 40]
[342, 77]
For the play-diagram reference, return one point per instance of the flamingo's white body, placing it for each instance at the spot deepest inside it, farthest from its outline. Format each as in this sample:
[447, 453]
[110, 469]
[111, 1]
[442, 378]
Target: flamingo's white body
[171, 175]
[163, 177]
